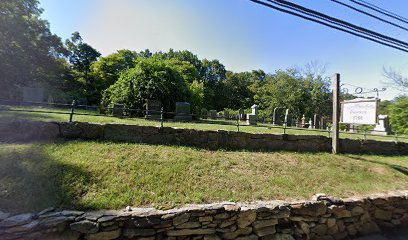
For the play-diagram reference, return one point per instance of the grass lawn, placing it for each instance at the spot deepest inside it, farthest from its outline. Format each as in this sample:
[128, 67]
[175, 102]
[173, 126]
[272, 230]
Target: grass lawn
[206, 125]
[93, 175]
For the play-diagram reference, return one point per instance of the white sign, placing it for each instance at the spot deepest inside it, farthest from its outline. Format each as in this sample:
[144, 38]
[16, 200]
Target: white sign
[360, 111]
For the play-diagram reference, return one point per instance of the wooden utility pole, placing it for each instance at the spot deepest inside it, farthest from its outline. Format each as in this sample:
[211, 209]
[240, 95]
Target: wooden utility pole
[336, 114]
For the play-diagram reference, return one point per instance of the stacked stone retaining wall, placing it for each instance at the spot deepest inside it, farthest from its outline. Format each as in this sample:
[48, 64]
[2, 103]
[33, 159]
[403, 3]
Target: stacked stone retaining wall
[325, 218]
[25, 131]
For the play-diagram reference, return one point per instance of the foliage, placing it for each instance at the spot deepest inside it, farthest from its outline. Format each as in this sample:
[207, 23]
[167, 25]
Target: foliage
[384, 108]
[197, 96]
[30, 55]
[149, 79]
[399, 115]
[238, 94]
[81, 56]
[108, 69]
[288, 89]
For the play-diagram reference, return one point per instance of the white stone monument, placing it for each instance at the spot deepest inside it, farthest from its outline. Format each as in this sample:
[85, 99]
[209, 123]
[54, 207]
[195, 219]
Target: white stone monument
[253, 117]
[383, 126]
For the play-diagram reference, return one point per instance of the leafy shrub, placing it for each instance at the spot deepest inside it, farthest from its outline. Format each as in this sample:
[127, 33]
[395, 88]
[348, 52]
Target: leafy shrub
[399, 115]
[149, 79]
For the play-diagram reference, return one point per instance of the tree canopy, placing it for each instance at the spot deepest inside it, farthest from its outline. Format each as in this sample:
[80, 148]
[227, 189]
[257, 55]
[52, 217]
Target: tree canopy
[149, 79]
[30, 55]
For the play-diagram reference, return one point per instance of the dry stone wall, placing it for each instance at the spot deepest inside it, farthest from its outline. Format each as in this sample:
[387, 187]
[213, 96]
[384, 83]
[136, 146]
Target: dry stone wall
[25, 131]
[325, 218]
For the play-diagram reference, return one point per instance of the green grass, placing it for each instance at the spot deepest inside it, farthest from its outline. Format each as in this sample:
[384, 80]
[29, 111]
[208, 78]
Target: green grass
[207, 125]
[95, 175]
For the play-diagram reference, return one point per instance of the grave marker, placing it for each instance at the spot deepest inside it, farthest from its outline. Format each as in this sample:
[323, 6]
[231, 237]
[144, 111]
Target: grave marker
[152, 109]
[183, 112]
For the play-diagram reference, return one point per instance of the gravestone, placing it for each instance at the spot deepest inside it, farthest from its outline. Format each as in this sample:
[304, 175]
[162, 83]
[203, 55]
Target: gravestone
[352, 128]
[183, 112]
[117, 110]
[241, 114]
[288, 118]
[303, 121]
[213, 114]
[310, 124]
[323, 123]
[33, 95]
[383, 126]
[152, 109]
[204, 113]
[316, 121]
[226, 115]
[278, 113]
[253, 117]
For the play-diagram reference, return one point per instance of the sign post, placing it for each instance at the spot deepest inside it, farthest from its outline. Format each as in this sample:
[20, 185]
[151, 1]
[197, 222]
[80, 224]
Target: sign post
[336, 114]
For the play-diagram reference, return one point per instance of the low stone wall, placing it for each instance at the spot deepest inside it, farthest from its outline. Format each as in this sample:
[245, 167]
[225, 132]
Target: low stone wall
[325, 218]
[23, 131]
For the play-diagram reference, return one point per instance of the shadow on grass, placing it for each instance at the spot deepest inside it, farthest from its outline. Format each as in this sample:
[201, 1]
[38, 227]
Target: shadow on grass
[398, 168]
[31, 180]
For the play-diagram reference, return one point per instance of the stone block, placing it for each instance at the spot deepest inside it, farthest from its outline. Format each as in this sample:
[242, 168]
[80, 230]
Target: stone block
[85, 226]
[138, 232]
[383, 214]
[119, 132]
[269, 230]
[104, 235]
[28, 131]
[16, 220]
[188, 232]
[246, 218]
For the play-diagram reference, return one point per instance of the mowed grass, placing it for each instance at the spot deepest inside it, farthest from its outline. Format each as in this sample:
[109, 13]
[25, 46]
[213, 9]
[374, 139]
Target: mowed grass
[6, 116]
[106, 175]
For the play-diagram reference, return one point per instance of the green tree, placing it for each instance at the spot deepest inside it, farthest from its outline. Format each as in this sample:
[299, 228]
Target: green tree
[399, 115]
[81, 56]
[149, 79]
[107, 70]
[30, 55]
[289, 89]
[213, 75]
[238, 91]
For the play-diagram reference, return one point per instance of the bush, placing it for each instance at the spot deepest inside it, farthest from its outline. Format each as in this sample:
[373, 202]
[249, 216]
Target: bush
[149, 79]
[399, 115]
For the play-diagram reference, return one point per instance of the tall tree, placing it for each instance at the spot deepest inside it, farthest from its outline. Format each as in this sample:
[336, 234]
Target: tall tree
[399, 115]
[150, 79]
[213, 75]
[30, 55]
[107, 70]
[81, 56]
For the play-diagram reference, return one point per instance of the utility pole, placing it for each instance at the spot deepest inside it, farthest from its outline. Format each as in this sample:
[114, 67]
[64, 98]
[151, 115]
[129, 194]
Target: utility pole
[336, 114]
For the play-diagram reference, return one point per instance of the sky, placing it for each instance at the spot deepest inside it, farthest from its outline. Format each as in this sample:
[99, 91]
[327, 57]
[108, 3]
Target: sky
[243, 35]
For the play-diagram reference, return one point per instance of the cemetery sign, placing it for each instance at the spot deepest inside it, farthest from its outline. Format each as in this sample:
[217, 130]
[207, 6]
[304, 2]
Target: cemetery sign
[360, 111]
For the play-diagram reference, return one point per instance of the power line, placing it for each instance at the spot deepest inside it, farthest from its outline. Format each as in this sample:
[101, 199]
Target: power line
[369, 14]
[339, 22]
[380, 10]
[324, 21]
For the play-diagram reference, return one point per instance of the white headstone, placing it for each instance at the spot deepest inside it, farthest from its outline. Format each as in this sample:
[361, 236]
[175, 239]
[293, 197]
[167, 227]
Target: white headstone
[253, 117]
[383, 126]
